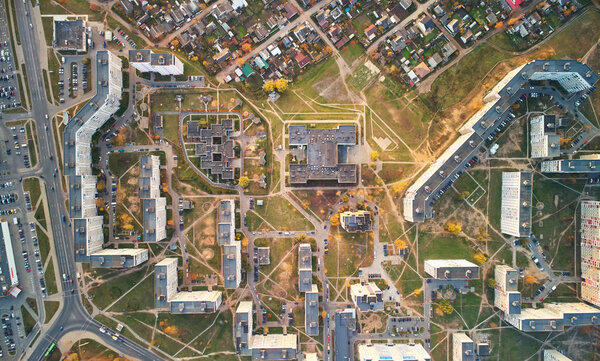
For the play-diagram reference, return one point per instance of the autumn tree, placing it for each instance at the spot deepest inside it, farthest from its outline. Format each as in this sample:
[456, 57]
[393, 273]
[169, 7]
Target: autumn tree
[246, 47]
[480, 258]
[400, 244]
[345, 198]
[335, 220]
[463, 195]
[100, 186]
[281, 85]
[244, 242]
[453, 228]
[531, 279]
[491, 283]
[398, 188]
[269, 86]
[446, 307]
[374, 155]
[244, 181]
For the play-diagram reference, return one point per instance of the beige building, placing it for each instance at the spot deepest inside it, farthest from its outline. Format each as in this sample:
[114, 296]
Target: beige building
[590, 251]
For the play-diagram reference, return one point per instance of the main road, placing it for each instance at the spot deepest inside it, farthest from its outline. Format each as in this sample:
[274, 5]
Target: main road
[72, 317]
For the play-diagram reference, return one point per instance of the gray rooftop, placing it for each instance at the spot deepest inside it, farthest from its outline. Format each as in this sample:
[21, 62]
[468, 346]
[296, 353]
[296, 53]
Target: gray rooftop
[69, 35]
[325, 153]
[345, 328]
[311, 311]
[214, 147]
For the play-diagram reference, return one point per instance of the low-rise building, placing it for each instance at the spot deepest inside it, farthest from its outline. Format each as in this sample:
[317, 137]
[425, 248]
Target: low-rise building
[544, 142]
[463, 348]
[393, 352]
[195, 302]
[274, 347]
[69, 35]
[555, 317]
[166, 296]
[357, 221]
[367, 296]
[325, 151]
[304, 267]
[451, 269]
[311, 311]
[155, 219]
[554, 355]
[232, 265]
[161, 63]
[515, 218]
[590, 251]
[243, 328]
[506, 294]
[345, 328]
[585, 164]
[118, 258]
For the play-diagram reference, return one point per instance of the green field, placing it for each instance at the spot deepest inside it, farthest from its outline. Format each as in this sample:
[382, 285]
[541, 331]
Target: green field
[282, 215]
[109, 291]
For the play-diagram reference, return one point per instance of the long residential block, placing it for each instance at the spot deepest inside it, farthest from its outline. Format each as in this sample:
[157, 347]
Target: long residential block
[568, 75]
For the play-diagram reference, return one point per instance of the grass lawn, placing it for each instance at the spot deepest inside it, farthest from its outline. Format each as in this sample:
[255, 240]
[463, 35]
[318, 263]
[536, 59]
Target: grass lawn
[31, 134]
[350, 52]
[32, 185]
[73, 6]
[459, 80]
[109, 291]
[443, 247]
[33, 304]
[347, 252]
[28, 320]
[88, 349]
[282, 215]
[568, 43]
[119, 163]
[139, 298]
[216, 331]
[51, 307]
[50, 278]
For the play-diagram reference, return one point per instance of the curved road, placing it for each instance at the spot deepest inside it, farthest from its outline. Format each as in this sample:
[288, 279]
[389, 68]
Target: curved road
[73, 317]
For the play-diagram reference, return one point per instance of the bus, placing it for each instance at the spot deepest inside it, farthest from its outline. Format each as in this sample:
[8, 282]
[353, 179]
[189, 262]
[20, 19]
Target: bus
[50, 349]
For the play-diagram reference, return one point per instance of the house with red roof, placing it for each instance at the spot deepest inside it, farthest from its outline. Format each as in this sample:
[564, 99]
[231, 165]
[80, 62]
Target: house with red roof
[514, 3]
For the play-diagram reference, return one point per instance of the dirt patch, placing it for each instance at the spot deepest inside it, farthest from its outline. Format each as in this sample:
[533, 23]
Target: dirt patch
[208, 254]
[332, 89]
[371, 323]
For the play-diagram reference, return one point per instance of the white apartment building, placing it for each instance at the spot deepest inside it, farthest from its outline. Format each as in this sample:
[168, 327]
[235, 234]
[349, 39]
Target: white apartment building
[463, 348]
[590, 251]
[553, 355]
[515, 218]
[162, 63]
[543, 144]
[165, 282]
[393, 352]
[506, 294]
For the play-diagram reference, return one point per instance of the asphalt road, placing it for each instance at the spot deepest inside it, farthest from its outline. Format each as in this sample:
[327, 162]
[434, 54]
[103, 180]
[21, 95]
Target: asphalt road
[73, 316]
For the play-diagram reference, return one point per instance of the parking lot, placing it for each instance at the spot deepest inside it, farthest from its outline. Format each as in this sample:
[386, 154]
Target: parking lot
[72, 77]
[9, 88]
[17, 148]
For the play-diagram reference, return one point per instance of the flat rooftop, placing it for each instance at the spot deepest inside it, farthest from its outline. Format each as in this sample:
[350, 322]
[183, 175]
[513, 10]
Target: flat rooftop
[120, 252]
[196, 296]
[274, 341]
[69, 35]
[326, 153]
[450, 263]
